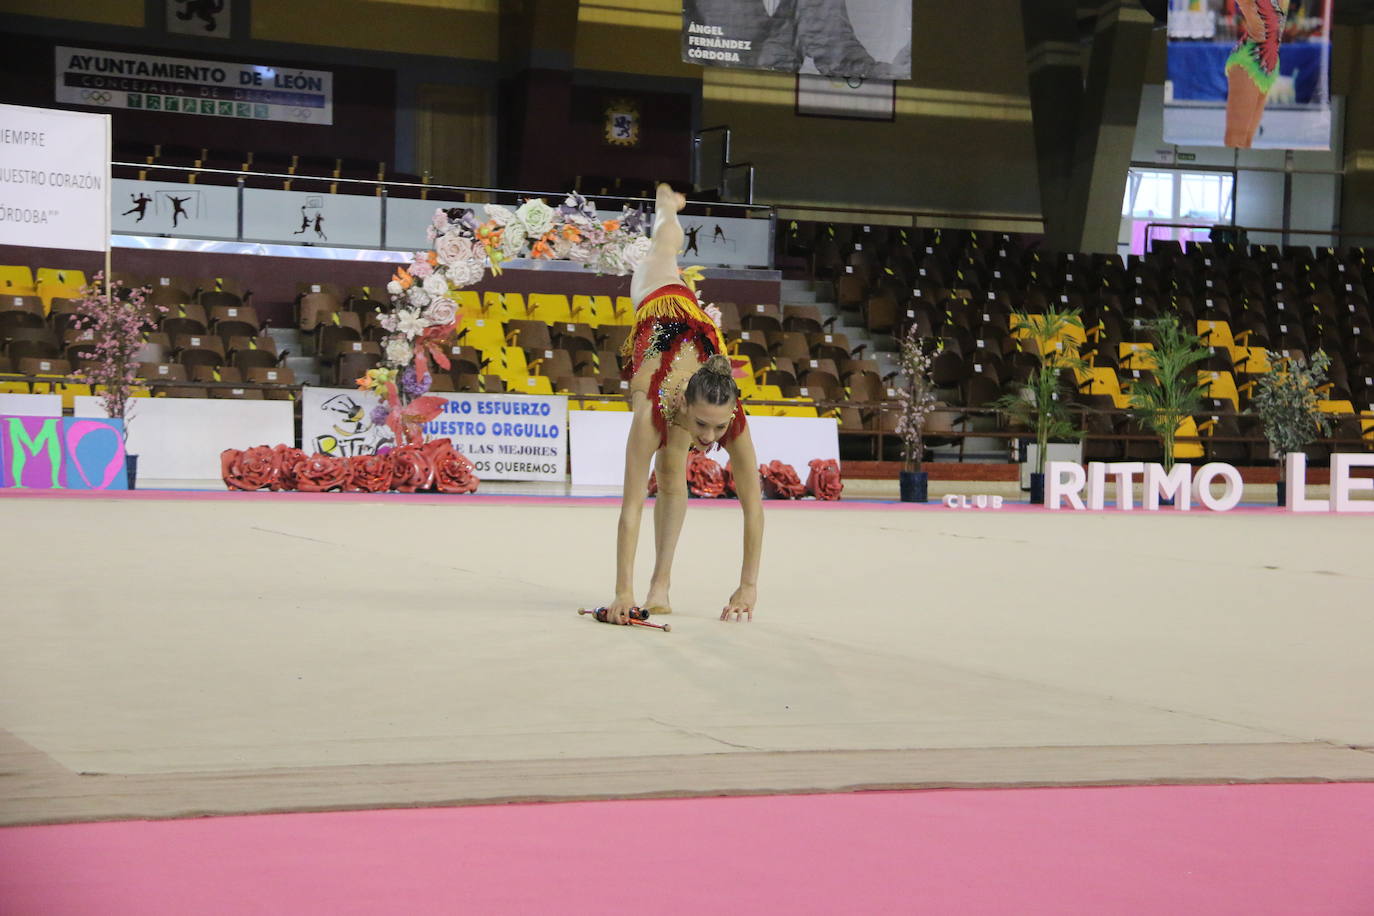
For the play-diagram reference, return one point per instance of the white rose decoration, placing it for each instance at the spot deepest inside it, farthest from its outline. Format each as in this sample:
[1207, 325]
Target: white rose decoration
[499, 215]
[513, 241]
[398, 352]
[536, 216]
[466, 273]
[635, 252]
[441, 312]
[394, 288]
[418, 297]
[436, 285]
[451, 248]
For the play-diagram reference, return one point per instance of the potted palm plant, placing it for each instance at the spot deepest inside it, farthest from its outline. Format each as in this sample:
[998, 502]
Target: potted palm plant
[1172, 391]
[916, 394]
[1286, 400]
[1042, 403]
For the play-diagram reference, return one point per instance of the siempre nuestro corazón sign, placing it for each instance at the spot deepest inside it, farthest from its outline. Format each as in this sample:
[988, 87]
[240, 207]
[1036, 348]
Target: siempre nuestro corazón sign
[193, 88]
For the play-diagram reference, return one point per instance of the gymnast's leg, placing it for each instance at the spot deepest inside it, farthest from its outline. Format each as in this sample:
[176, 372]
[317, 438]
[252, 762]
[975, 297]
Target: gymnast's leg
[659, 267]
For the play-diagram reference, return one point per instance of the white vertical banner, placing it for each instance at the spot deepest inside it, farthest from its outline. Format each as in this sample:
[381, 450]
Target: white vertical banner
[54, 178]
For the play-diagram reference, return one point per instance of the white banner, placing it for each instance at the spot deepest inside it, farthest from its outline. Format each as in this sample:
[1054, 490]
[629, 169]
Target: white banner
[198, 211]
[30, 405]
[193, 88]
[181, 438]
[301, 217]
[597, 442]
[54, 178]
[506, 436]
[725, 241]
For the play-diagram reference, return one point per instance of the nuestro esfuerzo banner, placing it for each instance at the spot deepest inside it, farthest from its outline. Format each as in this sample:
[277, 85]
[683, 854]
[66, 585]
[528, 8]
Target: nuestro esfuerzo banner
[193, 88]
[505, 436]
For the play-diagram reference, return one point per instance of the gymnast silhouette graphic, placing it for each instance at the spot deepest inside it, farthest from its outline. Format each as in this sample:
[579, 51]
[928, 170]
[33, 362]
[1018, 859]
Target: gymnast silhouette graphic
[140, 206]
[691, 240]
[178, 211]
[305, 222]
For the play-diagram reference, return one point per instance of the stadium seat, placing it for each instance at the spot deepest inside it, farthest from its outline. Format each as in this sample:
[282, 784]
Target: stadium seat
[17, 280]
[530, 384]
[551, 308]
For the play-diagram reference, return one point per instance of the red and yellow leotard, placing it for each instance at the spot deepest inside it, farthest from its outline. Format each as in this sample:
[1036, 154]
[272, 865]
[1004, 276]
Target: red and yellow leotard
[666, 322]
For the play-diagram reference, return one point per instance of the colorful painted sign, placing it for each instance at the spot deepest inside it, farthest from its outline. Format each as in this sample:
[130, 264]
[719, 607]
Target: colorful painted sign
[62, 453]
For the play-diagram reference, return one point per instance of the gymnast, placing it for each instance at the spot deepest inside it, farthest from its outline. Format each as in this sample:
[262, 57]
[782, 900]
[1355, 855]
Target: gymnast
[1252, 68]
[683, 396]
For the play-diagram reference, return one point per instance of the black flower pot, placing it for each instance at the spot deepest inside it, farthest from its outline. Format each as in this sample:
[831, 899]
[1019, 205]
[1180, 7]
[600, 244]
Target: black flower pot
[131, 466]
[1282, 493]
[1037, 489]
[914, 486]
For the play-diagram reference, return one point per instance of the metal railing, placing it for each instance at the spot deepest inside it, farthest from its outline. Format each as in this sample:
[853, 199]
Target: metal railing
[381, 187]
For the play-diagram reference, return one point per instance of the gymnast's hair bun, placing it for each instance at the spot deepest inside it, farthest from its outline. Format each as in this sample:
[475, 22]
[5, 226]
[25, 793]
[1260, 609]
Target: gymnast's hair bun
[719, 364]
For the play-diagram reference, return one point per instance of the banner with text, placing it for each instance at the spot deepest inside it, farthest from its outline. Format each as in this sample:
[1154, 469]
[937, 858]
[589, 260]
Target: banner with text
[193, 88]
[54, 178]
[506, 436]
[845, 38]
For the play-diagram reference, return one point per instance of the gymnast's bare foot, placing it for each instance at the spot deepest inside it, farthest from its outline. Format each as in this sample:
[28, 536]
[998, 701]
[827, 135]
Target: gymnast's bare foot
[656, 602]
[667, 198]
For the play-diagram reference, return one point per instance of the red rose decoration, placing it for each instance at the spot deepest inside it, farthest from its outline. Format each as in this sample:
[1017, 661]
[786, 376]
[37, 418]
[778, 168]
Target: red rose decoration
[780, 481]
[369, 473]
[704, 476]
[453, 472]
[653, 483]
[824, 480]
[247, 470]
[321, 472]
[287, 461]
[410, 469]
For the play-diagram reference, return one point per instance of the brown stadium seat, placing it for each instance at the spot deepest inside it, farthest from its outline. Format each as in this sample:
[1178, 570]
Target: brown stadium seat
[529, 334]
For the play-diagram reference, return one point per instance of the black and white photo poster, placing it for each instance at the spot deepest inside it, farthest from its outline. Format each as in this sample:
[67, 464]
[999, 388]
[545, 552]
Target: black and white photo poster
[867, 39]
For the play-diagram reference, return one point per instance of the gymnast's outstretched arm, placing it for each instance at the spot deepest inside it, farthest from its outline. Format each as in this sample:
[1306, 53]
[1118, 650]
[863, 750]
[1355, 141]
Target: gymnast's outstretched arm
[747, 486]
[639, 451]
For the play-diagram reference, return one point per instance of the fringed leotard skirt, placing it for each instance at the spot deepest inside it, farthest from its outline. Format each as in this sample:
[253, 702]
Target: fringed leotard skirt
[668, 318]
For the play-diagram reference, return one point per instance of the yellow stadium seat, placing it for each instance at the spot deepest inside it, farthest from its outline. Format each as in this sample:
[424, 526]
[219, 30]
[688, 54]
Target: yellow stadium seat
[470, 304]
[1129, 358]
[1336, 407]
[1187, 450]
[60, 277]
[624, 310]
[1103, 380]
[1220, 385]
[505, 362]
[68, 391]
[530, 384]
[514, 304]
[481, 333]
[1250, 360]
[1215, 334]
[8, 387]
[594, 310]
[17, 281]
[550, 308]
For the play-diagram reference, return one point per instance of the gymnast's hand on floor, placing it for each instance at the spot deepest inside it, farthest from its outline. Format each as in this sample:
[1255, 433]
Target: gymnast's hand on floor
[741, 604]
[618, 611]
